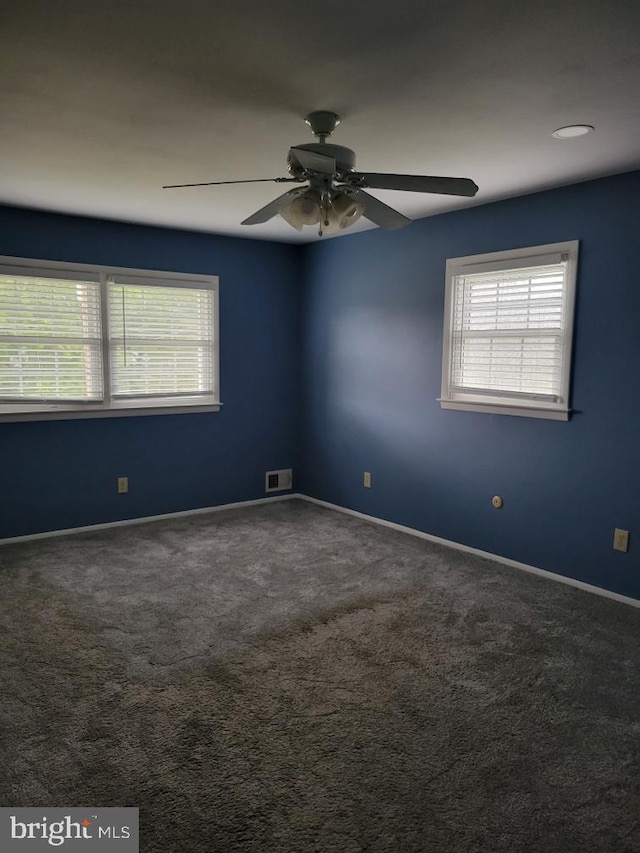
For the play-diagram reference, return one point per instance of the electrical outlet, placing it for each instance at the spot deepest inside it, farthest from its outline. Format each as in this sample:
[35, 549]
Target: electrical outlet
[123, 485]
[367, 480]
[620, 540]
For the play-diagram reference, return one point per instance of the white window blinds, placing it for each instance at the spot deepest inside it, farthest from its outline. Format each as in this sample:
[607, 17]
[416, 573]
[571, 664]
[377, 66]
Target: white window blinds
[50, 339]
[161, 340]
[509, 331]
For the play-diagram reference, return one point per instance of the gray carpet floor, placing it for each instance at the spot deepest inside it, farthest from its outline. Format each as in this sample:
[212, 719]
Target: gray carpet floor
[287, 678]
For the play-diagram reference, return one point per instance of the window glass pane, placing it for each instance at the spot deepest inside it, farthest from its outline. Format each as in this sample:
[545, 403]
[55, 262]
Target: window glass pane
[508, 330]
[521, 364]
[50, 346]
[161, 341]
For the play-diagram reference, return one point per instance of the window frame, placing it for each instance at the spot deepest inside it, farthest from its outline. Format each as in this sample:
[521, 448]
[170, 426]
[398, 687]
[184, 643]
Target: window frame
[108, 407]
[506, 403]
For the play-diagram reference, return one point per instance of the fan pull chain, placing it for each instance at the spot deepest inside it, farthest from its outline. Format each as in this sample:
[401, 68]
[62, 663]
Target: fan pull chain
[324, 209]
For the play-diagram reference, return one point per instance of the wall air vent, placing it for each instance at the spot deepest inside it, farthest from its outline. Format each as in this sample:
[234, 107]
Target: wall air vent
[278, 481]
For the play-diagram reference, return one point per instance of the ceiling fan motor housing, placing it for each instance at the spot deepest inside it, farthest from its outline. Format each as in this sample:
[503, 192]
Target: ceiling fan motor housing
[345, 158]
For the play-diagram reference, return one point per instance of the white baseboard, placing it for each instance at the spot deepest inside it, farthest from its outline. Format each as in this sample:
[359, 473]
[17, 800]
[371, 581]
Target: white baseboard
[128, 521]
[534, 570]
[411, 531]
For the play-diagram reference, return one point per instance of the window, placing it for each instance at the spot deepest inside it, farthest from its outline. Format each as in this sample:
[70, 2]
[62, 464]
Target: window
[80, 340]
[508, 330]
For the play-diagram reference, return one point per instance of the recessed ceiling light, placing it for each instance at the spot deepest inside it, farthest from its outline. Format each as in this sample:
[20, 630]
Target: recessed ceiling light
[572, 130]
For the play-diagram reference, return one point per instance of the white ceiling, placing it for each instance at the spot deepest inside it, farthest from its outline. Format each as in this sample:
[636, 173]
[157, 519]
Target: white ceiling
[103, 102]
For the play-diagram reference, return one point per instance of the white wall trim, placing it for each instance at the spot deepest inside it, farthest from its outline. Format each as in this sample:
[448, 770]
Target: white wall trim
[103, 277]
[502, 403]
[534, 570]
[89, 528]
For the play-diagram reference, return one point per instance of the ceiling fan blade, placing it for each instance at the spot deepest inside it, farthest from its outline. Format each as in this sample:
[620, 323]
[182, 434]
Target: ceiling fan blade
[376, 210]
[274, 206]
[219, 183]
[314, 162]
[418, 183]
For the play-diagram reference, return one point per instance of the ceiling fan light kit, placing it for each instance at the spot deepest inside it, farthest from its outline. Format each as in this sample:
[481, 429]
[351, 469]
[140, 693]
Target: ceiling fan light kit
[304, 210]
[344, 212]
[308, 209]
[334, 197]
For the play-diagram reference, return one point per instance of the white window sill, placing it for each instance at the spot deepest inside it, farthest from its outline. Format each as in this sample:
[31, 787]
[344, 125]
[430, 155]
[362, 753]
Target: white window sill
[9, 414]
[507, 409]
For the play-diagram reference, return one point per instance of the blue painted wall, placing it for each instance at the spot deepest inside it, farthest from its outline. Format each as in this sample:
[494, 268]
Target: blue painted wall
[59, 474]
[372, 340]
[330, 363]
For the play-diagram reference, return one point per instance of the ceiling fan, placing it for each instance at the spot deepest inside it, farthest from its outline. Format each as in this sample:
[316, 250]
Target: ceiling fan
[334, 194]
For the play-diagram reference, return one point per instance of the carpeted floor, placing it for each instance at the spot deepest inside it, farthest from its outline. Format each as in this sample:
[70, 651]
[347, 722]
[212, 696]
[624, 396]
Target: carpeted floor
[286, 678]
